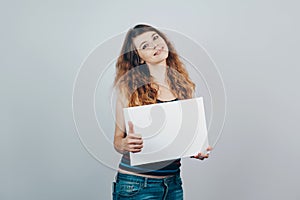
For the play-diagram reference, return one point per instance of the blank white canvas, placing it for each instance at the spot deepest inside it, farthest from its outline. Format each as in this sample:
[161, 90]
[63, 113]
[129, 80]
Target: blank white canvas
[169, 130]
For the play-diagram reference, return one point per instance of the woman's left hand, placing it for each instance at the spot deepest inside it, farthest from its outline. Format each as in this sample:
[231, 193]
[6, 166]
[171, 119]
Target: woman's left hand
[202, 156]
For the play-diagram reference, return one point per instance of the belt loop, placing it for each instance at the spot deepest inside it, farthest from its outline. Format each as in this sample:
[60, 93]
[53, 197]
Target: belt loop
[146, 180]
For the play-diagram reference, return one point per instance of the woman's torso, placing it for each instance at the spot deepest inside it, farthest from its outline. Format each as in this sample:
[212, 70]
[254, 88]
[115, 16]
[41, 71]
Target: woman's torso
[164, 95]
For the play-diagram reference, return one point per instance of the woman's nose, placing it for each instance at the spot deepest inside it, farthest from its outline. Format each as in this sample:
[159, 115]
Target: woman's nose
[153, 45]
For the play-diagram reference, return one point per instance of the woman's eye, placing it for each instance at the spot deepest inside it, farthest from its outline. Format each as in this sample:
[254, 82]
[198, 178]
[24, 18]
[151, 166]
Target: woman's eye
[144, 46]
[155, 37]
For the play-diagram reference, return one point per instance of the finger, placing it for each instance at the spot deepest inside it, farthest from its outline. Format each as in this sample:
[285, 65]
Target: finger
[135, 141]
[201, 156]
[134, 136]
[136, 148]
[198, 157]
[195, 156]
[204, 156]
[130, 125]
[136, 151]
[209, 148]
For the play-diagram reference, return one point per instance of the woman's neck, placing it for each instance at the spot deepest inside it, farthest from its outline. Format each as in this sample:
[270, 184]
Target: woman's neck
[158, 71]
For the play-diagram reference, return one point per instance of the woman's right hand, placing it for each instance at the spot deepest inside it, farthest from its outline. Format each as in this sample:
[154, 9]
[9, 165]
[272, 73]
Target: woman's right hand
[133, 142]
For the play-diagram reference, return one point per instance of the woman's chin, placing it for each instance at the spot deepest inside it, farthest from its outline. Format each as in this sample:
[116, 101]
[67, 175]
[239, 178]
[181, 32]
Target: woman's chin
[160, 58]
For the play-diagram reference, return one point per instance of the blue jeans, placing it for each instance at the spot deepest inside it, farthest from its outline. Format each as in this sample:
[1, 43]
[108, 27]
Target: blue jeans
[129, 186]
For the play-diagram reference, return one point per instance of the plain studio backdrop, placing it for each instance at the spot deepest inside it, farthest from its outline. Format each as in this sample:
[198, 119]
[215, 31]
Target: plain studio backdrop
[255, 45]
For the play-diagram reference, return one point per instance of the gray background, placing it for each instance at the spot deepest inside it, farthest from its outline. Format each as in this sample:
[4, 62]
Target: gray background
[255, 44]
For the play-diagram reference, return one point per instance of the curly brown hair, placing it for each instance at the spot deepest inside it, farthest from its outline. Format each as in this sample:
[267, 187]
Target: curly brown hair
[134, 80]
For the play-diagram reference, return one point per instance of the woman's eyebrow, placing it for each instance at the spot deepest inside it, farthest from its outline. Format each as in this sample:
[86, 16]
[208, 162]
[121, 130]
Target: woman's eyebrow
[142, 43]
[146, 41]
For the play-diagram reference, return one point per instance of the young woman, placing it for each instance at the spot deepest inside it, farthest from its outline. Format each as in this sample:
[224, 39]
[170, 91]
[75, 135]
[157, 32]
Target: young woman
[148, 71]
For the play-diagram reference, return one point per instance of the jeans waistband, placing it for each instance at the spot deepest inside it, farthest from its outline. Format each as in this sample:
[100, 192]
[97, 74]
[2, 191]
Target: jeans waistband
[140, 179]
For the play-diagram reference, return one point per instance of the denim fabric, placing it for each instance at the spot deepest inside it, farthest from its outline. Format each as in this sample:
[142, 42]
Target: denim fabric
[129, 186]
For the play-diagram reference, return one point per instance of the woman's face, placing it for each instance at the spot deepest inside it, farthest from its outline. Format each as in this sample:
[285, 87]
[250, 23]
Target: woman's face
[151, 47]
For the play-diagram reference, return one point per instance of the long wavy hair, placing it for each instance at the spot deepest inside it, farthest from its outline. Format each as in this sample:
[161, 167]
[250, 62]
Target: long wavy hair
[133, 79]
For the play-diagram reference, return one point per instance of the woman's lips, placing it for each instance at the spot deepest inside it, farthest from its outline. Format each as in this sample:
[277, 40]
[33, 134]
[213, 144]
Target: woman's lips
[157, 53]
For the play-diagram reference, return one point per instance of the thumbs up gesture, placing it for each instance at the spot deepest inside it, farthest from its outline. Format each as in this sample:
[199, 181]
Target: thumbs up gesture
[133, 142]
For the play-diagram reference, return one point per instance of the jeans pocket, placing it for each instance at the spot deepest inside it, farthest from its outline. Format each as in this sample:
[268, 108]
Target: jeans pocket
[127, 189]
[179, 180]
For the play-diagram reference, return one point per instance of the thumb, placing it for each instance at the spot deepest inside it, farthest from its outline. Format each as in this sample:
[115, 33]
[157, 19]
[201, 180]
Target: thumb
[130, 124]
[209, 148]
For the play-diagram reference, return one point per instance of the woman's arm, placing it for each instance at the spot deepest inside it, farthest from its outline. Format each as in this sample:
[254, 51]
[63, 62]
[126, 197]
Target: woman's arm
[119, 127]
[132, 142]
